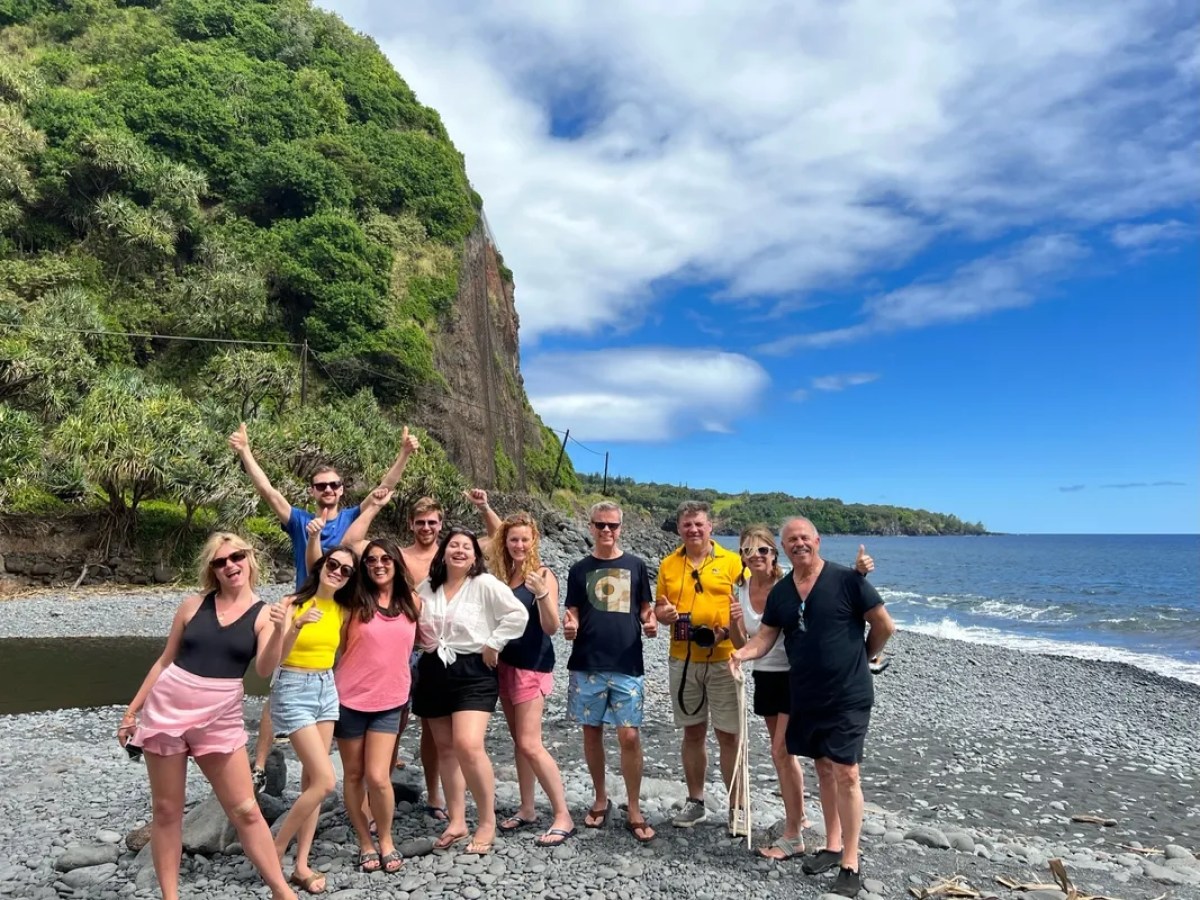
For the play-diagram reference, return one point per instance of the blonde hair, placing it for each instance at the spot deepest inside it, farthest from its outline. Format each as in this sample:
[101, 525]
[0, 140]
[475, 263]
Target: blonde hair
[206, 576]
[500, 562]
[425, 505]
[763, 533]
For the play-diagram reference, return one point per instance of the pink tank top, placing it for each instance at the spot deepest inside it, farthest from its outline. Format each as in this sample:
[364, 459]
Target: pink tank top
[373, 673]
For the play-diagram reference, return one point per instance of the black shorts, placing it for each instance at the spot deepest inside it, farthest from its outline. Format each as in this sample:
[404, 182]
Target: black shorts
[353, 723]
[772, 693]
[467, 684]
[836, 734]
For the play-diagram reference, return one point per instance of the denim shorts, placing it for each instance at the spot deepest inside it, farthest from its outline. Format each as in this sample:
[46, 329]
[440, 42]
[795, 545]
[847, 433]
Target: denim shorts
[300, 699]
[605, 698]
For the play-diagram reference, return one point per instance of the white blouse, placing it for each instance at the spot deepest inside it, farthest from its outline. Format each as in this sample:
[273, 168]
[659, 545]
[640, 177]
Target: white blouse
[484, 613]
[775, 659]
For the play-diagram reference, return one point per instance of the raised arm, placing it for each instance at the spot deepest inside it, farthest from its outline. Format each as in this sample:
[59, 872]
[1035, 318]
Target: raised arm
[863, 563]
[312, 549]
[239, 442]
[408, 446]
[479, 499]
[272, 629]
[356, 534]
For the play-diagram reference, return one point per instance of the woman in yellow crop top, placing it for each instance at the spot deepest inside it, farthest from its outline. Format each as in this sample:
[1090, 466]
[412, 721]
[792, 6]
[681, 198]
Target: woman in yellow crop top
[304, 699]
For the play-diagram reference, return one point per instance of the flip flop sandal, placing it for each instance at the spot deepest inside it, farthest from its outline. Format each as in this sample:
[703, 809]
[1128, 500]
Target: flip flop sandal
[368, 861]
[306, 883]
[446, 841]
[480, 848]
[515, 823]
[392, 862]
[437, 813]
[555, 837]
[789, 849]
[602, 813]
[374, 829]
[636, 829]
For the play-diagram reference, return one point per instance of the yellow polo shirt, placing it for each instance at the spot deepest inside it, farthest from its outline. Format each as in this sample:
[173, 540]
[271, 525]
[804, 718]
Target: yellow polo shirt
[719, 574]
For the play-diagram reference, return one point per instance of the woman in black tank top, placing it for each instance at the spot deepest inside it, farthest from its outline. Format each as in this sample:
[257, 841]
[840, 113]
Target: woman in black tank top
[190, 704]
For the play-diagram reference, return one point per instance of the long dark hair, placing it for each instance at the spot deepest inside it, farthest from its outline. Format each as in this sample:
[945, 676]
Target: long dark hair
[437, 568]
[402, 598]
[346, 596]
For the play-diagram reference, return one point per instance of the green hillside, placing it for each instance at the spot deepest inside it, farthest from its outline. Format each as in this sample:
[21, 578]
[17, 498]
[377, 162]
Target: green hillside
[733, 512]
[214, 170]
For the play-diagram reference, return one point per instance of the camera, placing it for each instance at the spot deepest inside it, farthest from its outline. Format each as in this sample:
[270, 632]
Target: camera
[701, 635]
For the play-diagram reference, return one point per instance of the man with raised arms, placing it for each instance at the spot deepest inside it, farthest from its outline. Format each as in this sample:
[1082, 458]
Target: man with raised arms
[608, 610]
[823, 610]
[326, 489]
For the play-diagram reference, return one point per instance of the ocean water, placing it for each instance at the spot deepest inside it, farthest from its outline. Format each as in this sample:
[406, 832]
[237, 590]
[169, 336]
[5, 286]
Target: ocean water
[1125, 598]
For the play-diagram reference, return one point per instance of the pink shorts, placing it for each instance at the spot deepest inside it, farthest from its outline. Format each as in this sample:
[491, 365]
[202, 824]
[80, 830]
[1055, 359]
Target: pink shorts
[186, 713]
[519, 686]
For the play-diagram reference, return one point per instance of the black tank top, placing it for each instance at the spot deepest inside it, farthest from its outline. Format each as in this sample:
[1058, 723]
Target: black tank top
[533, 649]
[211, 650]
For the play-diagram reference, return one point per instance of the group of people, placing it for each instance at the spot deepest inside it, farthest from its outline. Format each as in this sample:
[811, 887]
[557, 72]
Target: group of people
[454, 625]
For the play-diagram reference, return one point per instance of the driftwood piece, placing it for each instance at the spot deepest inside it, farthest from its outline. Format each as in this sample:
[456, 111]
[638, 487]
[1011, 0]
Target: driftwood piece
[1062, 882]
[1145, 851]
[1094, 820]
[954, 886]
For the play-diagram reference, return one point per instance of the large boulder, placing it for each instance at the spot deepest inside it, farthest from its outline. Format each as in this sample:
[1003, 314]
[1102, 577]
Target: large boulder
[206, 829]
[80, 856]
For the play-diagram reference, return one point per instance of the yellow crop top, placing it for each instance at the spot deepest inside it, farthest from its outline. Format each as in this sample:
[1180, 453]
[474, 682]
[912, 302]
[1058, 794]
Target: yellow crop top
[317, 643]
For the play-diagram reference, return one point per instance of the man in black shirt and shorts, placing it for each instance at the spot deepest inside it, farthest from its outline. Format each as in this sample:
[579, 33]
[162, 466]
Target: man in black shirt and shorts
[608, 610]
[823, 610]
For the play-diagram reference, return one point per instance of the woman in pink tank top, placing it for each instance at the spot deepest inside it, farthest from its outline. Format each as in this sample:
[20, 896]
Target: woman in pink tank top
[373, 682]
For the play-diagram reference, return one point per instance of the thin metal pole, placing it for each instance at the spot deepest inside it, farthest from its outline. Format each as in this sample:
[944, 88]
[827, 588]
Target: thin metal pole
[604, 490]
[557, 465]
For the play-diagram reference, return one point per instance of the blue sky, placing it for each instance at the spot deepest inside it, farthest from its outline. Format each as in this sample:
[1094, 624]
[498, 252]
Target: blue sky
[935, 255]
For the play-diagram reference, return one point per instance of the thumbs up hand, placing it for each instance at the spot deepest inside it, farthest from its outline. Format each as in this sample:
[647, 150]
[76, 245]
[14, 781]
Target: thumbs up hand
[863, 563]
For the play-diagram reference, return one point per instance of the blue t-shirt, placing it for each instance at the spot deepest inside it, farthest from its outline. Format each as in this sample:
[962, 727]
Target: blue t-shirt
[331, 535]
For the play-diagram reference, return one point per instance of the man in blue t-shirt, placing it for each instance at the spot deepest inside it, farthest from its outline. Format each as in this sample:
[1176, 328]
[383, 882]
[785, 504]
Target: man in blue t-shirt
[608, 609]
[326, 488]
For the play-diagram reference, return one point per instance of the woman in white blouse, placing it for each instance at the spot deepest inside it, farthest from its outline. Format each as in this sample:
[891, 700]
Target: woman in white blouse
[467, 616]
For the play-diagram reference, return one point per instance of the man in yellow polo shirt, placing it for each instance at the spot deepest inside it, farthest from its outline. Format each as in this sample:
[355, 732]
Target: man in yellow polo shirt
[696, 585]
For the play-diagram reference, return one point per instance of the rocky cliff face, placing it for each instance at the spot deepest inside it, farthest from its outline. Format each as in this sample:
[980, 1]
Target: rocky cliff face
[481, 411]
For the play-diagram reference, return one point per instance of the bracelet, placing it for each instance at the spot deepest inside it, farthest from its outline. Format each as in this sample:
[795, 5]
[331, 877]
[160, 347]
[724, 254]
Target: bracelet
[541, 596]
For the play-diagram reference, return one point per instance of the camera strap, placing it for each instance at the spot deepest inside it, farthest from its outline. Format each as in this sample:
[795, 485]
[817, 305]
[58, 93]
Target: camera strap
[683, 684]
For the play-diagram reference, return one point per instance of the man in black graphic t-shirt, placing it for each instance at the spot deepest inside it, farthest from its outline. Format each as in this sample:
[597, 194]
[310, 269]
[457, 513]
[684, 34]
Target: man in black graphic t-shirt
[823, 609]
[608, 610]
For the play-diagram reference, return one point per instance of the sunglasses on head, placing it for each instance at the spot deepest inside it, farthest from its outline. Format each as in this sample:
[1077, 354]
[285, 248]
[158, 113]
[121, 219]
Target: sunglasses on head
[427, 523]
[761, 551]
[326, 485]
[236, 556]
[606, 526]
[333, 565]
[696, 577]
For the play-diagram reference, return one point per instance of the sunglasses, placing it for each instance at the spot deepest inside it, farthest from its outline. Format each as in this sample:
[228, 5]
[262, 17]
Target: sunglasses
[332, 565]
[761, 551]
[326, 485]
[236, 556]
[135, 753]
[696, 578]
[606, 526]
[427, 523]
[379, 561]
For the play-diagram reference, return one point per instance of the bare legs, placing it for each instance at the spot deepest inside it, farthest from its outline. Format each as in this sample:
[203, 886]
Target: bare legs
[367, 781]
[791, 783]
[262, 745]
[535, 762]
[431, 765]
[317, 781]
[465, 765]
[631, 766]
[842, 808]
[229, 774]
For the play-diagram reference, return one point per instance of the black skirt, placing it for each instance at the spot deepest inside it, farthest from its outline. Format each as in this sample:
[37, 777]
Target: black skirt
[467, 684]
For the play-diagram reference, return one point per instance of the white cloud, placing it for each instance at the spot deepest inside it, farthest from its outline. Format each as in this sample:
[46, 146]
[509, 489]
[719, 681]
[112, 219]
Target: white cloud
[841, 382]
[1144, 237]
[1005, 280]
[644, 394]
[782, 148]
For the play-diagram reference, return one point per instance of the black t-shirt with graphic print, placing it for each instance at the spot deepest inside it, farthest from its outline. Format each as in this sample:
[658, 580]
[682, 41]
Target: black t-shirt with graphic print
[608, 595]
[828, 656]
